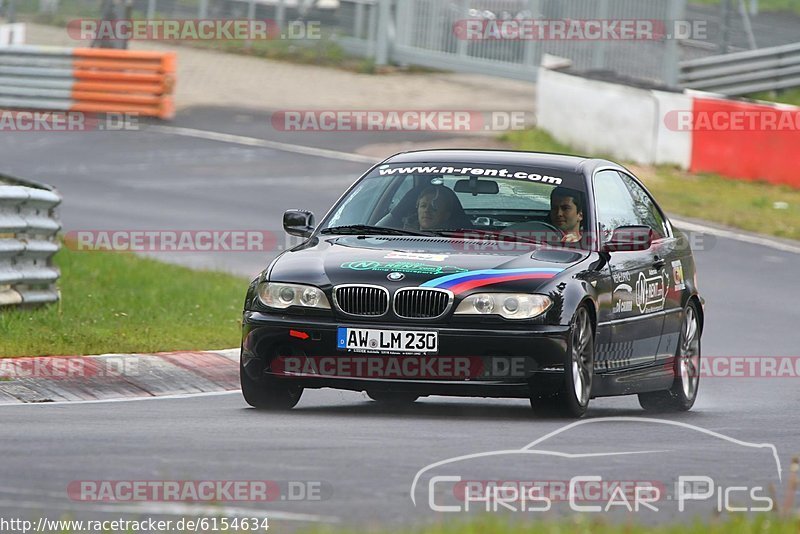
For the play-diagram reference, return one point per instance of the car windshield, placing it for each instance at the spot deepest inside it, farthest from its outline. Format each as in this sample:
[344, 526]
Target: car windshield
[490, 201]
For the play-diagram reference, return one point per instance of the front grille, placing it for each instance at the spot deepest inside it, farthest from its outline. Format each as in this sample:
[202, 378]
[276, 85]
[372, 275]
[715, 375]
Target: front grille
[366, 301]
[413, 303]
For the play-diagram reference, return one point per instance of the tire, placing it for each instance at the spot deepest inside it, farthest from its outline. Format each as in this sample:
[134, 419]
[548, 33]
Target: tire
[681, 396]
[574, 390]
[391, 397]
[268, 393]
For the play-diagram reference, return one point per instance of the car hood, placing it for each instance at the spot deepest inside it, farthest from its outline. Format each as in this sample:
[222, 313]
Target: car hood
[453, 264]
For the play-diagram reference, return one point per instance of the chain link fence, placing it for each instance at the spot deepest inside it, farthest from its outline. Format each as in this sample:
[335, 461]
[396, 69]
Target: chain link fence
[426, 32]
[429, 33]
[278, 10]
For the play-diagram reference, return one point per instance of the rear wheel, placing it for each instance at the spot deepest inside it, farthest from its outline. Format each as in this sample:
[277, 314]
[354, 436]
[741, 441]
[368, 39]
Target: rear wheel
[269, 393]
[391, 397]
[571, 397]
[681, 396]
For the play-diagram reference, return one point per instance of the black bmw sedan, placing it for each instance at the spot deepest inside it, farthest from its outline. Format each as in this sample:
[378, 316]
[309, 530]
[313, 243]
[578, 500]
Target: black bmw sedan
[480, 273]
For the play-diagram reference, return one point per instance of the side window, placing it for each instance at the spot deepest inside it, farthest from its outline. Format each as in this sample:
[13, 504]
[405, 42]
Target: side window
[613, 202]
[646, 210]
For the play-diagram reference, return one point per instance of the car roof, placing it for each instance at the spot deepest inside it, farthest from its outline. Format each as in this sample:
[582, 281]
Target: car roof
[558, 162]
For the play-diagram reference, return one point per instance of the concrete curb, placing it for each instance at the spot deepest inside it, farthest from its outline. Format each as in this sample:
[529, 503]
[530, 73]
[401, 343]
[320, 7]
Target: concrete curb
[117, 376]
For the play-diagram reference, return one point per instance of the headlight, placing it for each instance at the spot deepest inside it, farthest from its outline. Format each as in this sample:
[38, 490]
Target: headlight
[278, 295]
[508, 305]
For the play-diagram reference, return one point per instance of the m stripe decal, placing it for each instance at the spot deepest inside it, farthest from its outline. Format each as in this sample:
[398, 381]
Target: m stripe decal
[460, 282]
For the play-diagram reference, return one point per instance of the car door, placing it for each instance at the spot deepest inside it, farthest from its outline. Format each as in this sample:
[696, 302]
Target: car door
[672, 251]
[638, 288]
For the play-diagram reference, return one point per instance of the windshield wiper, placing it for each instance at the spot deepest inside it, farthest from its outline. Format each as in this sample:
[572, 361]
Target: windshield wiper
[359, 229]
[498, 235]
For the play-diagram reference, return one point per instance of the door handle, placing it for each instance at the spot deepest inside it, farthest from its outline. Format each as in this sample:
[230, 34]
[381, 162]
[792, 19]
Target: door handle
[658, 263]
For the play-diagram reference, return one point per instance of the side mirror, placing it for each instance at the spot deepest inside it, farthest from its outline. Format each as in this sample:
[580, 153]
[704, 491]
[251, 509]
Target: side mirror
[299, 223]
[629, 238]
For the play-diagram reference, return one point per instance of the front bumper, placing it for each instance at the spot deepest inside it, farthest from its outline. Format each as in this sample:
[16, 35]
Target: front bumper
[472, 360]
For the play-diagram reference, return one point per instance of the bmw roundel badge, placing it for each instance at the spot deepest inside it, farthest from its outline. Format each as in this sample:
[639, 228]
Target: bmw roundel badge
[395, 277]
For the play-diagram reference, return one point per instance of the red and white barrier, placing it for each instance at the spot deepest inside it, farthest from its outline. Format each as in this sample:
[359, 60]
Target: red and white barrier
[747, 140]
[696, 131]
[117, 376]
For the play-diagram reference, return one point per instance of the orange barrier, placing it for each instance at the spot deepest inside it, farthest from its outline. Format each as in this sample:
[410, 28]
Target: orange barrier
[123, 81]
[110, 87]
[746, 140]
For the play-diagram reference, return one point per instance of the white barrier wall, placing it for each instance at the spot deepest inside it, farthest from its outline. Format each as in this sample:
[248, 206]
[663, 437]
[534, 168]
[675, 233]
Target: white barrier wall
[673, 146]
[12, 34]
[607, 118]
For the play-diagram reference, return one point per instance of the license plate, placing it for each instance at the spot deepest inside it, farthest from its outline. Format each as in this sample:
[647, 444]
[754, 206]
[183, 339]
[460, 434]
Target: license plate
[387, 341]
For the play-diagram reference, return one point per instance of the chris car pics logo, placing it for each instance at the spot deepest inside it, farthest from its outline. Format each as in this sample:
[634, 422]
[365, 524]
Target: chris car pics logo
[557, 471]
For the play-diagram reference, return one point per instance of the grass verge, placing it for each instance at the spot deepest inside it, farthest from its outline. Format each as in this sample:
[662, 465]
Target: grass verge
[753, 206]
[788, 96]
[763, 5]
[489, 524]
[113, 302]
[324, 52]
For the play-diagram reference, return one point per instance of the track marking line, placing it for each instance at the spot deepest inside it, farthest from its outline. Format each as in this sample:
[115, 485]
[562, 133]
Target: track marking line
[126, 399]
[263, 143]
[736, 236]
[262, 181]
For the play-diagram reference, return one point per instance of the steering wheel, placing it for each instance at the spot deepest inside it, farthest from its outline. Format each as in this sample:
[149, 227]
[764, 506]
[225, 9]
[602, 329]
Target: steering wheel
[533, 226]
[546, 230]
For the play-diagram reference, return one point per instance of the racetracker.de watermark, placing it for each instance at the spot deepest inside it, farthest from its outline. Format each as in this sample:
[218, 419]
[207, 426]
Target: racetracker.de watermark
[66, 121]
[398, 120]
[750, 120]
[121, 491]
[489, 240]
[399, 367]
[171, 240]
[66, 367]
[191, 30]
[592, 30]
[749, 367]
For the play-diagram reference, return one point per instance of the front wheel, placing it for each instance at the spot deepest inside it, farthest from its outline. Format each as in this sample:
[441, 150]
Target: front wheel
[268, 393]
[571, 398]
[681, 396]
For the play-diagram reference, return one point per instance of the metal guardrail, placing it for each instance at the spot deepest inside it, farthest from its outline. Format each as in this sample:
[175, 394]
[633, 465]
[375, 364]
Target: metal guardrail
[28, 228]
[741, 73]
[88, 80]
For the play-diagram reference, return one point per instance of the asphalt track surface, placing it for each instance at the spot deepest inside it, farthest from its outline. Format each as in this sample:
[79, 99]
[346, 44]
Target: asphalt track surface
[363, 456]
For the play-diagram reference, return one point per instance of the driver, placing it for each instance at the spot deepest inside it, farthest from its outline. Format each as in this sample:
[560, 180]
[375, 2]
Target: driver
[436, 206]
[566, 213]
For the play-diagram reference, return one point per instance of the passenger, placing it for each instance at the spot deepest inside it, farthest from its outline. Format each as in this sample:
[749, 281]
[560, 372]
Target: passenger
[566, 213]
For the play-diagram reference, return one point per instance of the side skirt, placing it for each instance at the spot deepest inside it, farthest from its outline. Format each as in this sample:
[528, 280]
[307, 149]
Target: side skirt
[656, 377]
